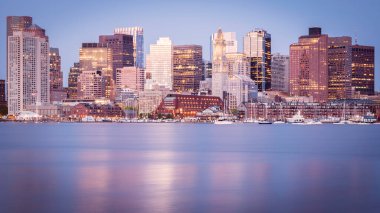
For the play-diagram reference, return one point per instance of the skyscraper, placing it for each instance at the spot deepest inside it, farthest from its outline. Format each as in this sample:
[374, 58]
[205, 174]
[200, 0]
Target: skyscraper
[91, 85]
[280, 73]
[160, 62]
[219, 66]
[98, 57]
[138, 43]
[122, 50]
[28, 71]
[130, 77]
[257, 47]
[230, 40]
[187, 68]
[363, 69]
[237, 64]
[339, 67]
[56, 77]
[73, 81]
[308, 66]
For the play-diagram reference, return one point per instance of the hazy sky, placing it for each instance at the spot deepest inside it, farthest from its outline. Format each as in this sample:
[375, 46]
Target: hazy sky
[68, 23]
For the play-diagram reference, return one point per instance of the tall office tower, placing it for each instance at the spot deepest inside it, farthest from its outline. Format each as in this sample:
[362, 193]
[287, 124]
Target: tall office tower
[363, 69]
[237, 64]
[280, 72]
[91, 85]
[122, 50]
[257, 47]
[308, 66]
[2, 93]
[187, 68]
[130, 77]
[339, 67]
[230, 40]
[219, 66]
[207, 69]
[56, 76]
[16, 23]
[73, 81]
[138, 43]
[160, 62]
[28, 71]
[98, 57]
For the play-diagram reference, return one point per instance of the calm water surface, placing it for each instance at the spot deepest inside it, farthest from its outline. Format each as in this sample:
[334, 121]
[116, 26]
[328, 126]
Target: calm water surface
[189, 168]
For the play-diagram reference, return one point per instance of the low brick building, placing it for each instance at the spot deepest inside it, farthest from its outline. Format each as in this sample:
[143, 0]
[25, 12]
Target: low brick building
[95, 110]
[187, 105]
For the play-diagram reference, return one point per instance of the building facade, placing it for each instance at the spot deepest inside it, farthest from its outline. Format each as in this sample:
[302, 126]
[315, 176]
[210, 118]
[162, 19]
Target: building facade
[219, 66]
[187, 68]
[56, 76]
[280, 73]
[91, 85]
[138, 43]
[73, 81]
[130, 77]
[257, 47]
[3, 100]
[28, 71]
[230, 40]
[308, 66]
[339, 67]
[241, 89]
[237, 64]
[160, 62]
[122, 50]
[363, 69]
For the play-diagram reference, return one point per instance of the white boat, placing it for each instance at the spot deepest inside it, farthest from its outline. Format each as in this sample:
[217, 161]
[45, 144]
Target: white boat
[279, 122]
[297, 118]
[222, 121]
[330, 120]
[369, 118]
[88, 119]
[342, 122]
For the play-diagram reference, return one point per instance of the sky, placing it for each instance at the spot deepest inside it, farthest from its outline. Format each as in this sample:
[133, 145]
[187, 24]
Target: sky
[69, 23]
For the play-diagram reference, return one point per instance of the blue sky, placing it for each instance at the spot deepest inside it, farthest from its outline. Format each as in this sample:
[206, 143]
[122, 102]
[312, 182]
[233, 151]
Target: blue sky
[69, 23]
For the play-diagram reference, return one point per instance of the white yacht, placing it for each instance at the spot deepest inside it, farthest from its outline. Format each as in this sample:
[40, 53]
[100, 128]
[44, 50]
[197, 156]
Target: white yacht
[88, 119]
[297, 118]
[222, 121]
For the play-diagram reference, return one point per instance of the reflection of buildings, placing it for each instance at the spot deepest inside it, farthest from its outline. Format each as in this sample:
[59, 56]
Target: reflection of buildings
[363, 69]
[308, 66]
[187, 68]
[257, 47]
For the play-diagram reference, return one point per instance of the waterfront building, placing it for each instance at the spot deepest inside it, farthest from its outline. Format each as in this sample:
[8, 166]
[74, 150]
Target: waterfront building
[160, 62]
[219, 66]
[187, 105]
[138, 43]
[73, 81]
[237, 64]
[230, 41]
[280, 73]
[122, 50]
[308, 66]
[257, 47]
[91, 85]
[97, 111]
[28, 71]
[339, 67]
[241, 89]
[363, 69]
[187, 68]
[149, 100]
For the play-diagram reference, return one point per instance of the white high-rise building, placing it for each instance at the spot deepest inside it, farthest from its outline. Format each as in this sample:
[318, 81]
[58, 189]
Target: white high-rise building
[219, 66]
[280, 72]
[160, 63]
[28, 71]
[138, 42]
[237, 64]
[230, 40]
[241, 89]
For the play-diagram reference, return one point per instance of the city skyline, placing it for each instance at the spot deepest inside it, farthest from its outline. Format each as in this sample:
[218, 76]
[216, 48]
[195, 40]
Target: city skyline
[289, 20]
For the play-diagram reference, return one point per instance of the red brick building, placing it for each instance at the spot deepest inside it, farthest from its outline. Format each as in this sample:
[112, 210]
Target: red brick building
[187, 105]
[84, 109]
